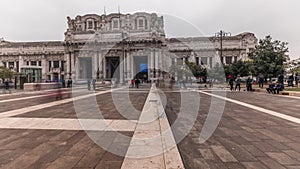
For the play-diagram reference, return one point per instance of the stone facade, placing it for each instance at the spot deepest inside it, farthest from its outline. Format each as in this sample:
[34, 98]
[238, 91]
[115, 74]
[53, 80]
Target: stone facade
[120, 46]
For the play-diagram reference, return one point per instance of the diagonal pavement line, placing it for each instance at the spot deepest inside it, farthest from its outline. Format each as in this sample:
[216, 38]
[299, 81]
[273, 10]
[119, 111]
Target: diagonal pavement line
[153, 144]
[46, 105]
[31, 92]
[67, 124]
[32, 97]
[263, 110]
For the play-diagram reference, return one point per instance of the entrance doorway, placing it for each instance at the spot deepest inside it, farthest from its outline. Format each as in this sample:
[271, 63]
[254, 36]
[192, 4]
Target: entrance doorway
[85, 68]
[113, 68]
[140, 67]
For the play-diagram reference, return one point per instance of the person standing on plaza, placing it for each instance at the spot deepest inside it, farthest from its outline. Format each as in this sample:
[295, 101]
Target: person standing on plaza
[249, 84]
[238, 83]
[231, 84]
[261, 80]
[281, 79]
[89, 84]
[6, 83]
[137, 82]
[132, 83]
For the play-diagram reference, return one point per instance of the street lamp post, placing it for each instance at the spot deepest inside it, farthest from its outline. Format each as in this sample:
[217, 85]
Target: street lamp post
[221, 35]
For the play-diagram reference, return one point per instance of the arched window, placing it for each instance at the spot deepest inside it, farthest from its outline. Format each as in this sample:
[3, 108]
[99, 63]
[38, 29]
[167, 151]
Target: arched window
[115, 23]
[90, 24]
[141, 23]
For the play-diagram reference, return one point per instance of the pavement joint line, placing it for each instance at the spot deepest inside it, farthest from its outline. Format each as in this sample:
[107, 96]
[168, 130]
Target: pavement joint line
[67, 124]
[263, 110]
[162, 152]
[3, 94]
[37, 96]
[46, 105]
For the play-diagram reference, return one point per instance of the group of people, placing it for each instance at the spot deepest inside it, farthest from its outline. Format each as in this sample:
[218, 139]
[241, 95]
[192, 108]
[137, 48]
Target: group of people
[135, 82]
[274, 88]
[238, 82]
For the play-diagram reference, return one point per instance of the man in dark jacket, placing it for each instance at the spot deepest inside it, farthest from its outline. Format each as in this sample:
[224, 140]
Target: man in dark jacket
[249, 84]
[271, 87]
[278, 87]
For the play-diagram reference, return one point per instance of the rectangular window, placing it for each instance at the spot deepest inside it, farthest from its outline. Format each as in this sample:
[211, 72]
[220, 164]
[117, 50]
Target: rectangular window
[62, 65]
[210, 62]
[27, 63]
[33, 63]
[90, 25]
[11, 65]
[40, 63]
[146, 24]
[115, 24]
[197, 60]
[4, 64]
[17, 66]
[95, 24]
[203, 60]
[56, 64]
[50, 66]
[141, 23]
[228, 59]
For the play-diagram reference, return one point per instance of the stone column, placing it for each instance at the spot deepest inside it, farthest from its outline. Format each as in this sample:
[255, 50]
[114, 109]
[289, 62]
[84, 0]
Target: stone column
[121, 66]
[104, 67]
[156, 62]
[100, 64]
[160, 60]
[44, 67]
[151, 66]
[125, 66]
[75, 69]
[132, 68]
[95, 65]
[128, 67]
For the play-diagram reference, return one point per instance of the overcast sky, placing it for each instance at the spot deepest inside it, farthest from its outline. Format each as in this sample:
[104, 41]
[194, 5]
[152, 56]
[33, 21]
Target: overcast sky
[42, 20]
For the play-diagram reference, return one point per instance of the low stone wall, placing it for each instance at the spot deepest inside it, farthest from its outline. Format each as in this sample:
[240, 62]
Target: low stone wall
[41, 86]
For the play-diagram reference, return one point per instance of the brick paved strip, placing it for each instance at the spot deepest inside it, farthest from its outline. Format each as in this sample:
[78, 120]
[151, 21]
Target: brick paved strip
[223, 154]
[68, 124]
[270, 112]
[46, 105]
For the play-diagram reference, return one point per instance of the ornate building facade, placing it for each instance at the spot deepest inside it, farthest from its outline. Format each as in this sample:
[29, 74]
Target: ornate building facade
[120, 46]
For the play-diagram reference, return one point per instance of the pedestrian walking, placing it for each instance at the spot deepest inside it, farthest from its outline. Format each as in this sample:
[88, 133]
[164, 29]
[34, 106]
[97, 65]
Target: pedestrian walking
[231, 84]
[238, 83]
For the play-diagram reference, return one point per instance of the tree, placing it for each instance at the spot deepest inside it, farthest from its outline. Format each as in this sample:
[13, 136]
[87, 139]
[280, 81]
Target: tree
[269, 57]
[217, 73]
[242, 68]
[195, 69]
[188, 70]
[5, 73]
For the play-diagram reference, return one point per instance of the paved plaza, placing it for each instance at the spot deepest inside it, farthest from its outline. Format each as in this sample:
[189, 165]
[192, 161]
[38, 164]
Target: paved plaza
[64, 129]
